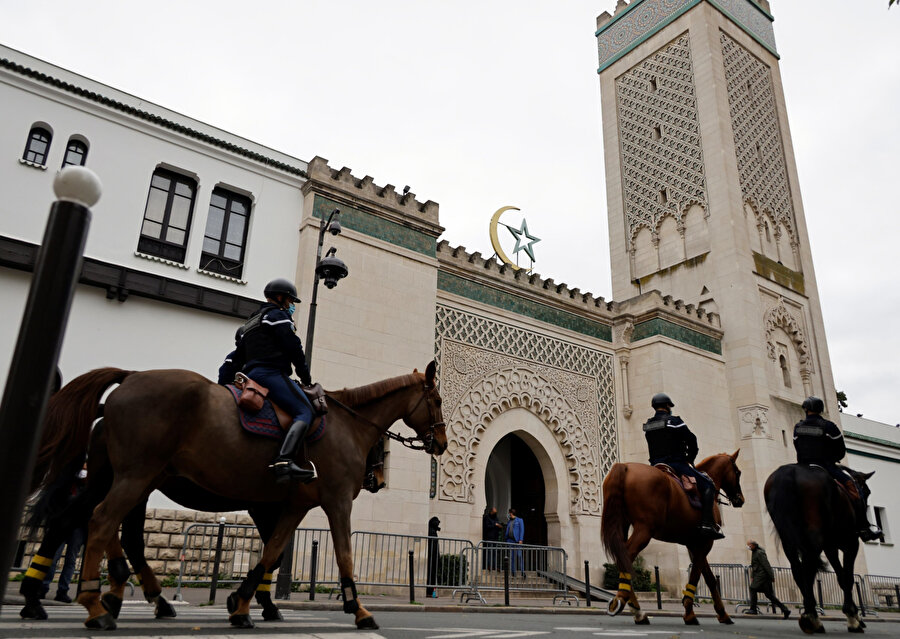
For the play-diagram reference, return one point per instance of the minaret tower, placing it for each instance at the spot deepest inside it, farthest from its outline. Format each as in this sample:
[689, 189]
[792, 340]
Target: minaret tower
[704, 205]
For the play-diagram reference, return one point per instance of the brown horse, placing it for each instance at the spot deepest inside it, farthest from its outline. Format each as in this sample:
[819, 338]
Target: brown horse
[651, 501]
[175, 423]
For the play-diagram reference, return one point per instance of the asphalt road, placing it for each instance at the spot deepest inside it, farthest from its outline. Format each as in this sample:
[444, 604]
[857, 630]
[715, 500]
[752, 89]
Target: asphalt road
[137, 622]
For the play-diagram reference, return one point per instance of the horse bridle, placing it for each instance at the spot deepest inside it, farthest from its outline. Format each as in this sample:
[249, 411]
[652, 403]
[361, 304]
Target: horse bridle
[420, 442]
[722, 493]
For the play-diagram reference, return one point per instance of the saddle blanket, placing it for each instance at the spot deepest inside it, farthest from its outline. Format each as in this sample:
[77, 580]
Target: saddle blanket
[687, 484]
[265, 422]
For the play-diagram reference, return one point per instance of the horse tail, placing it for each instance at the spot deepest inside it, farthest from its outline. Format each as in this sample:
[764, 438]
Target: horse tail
[784, 503]
[67, 426]
[614, 521]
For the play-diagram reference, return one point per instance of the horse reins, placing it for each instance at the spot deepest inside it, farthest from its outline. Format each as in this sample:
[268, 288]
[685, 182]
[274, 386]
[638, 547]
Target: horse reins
[424, 442]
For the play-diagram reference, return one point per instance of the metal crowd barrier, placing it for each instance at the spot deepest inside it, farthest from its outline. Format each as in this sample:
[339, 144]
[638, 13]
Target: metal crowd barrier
[379, 559]
[734, 586]
[882, 591]
[531, 570]
[734, 583]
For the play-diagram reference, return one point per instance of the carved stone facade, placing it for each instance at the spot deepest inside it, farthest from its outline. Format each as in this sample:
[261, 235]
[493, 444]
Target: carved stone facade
[780, 317]
[662, 160]
[754, 421]
[487, 367]
[757, 137]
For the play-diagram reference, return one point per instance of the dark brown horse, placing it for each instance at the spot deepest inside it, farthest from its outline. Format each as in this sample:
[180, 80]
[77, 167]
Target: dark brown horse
[174, 423]
[651, 502]
[812, 515]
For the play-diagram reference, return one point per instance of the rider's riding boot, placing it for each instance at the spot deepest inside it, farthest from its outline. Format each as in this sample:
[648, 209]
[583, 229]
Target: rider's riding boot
[284, 467]
[865, 530]
[708, 526]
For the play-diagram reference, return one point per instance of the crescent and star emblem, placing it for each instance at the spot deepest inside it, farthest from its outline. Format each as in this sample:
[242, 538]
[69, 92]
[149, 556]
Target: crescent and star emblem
[525, 241]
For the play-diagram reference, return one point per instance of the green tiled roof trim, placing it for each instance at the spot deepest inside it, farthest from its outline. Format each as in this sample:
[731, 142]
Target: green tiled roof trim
[644, 18]
[779, 273]
[659, 326]
[869, 438]
[149, 117]
[863, 453]
[377, 227]
[515, 304]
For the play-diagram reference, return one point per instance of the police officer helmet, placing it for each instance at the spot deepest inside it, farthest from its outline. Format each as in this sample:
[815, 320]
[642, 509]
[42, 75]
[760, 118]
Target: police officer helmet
[661, 400]
[281, 286]
[813, 404]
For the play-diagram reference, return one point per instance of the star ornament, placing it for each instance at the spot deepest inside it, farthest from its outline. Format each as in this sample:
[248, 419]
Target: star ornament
[524, 240]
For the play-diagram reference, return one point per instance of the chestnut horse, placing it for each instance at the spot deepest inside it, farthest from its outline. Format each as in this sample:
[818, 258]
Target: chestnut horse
[813, 514]
[174, 423]
[653, 503]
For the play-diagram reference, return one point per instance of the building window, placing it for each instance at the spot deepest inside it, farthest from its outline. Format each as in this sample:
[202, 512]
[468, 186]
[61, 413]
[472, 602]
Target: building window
[226, 233]
[785, 371]
[167, 216]
[76, 153]
[882, 522]
[38, 145]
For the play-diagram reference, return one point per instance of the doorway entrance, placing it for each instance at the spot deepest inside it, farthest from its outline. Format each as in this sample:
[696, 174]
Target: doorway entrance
[513, 479]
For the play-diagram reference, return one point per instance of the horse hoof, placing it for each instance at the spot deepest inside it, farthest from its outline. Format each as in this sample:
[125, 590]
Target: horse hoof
[101, 622]
[272, 613]
[33, 611]
[726, 620]
[241, 621]
[645, 621]
[164, 609]
[615, 607]
[231, 603]
[692, 621]
[857, 630]
[112, 604]
[367, 623]
[862, 624]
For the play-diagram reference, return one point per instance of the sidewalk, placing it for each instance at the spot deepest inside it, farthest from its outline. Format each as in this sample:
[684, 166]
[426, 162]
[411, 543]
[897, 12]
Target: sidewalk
[445, 603]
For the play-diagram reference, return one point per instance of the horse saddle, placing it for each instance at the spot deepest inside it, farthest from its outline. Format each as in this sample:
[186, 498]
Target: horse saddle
[261, 416]
[687, 484]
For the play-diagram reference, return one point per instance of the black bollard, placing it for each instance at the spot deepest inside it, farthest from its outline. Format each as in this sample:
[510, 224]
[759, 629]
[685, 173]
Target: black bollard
[862, 604]
[506, 579]
[819, 588]
[215, 576]
[285, 576]
[412, 578]
[313, 567]
[587, 584]
[36, 355]
[658, 589]
[897, 591]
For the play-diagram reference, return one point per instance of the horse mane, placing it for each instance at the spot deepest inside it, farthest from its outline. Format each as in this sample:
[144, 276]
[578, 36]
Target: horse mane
[360, 395]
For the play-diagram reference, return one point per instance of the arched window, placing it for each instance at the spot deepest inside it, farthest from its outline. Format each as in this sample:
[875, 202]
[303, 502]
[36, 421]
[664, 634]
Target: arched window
[226, 233]
[167, 216]
[38, 146]
[76, 153]
[785, 371]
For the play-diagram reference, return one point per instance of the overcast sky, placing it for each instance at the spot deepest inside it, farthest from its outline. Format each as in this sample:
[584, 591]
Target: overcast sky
[478, 105]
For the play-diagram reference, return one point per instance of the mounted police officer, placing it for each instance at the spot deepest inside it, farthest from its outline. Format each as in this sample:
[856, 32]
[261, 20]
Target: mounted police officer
[819, 441]
[671, 442]
[266, 348]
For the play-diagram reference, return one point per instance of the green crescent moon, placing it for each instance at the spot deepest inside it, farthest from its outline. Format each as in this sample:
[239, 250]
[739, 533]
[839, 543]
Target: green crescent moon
[495, 239]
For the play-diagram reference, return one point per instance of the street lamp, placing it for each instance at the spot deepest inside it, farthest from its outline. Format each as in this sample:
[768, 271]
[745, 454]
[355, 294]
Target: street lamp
[331, 269]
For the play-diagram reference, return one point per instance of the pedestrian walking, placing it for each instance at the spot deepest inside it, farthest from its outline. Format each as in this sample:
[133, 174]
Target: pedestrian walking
[762, 578]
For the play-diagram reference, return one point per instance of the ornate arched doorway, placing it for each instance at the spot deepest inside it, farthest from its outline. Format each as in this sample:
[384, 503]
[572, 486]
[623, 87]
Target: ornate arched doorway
[514, 479]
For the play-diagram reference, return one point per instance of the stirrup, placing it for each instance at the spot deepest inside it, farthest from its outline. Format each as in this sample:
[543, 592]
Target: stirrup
[711, 531]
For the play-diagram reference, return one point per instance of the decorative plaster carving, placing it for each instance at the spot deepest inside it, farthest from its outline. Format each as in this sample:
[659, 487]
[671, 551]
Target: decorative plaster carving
[568, 387]
[662, 159]
[762, 170]
[754, 421]
[780, 317]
